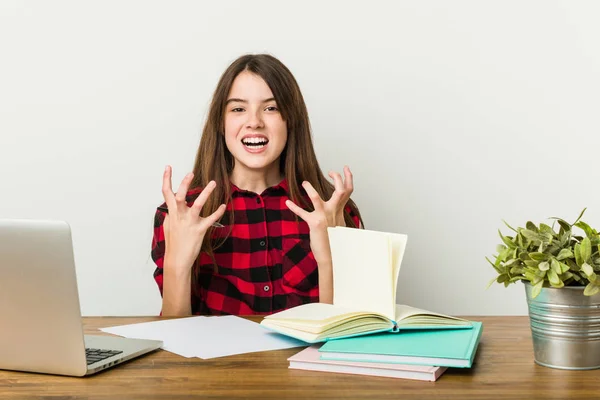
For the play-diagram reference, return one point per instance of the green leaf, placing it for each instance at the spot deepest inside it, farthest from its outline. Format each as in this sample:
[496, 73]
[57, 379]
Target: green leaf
[567, 275]
[589, 232]
[559, 284]
[539, 256]
[563, 268]
[546, 229]
[554, 279]
[537, 288]
[591, 289]
[586, 249]
[587, 269]
[531, 263]
[509, 227]
[580, 215]
[592, 277]
[511, 262]
[564, 224]
[538, 276]
[522, 243]
[578, 257]
[544, 266]
[531, 235]
[542, 247]
[502, 278]
[564, 253]
[503, 256]
[555, 266]
[553, 248]
[500, 248]
[516, 271]
[507, 240]
[564, 238]
[531, 226]
[496, 267]
[490, 283]
[572, 264]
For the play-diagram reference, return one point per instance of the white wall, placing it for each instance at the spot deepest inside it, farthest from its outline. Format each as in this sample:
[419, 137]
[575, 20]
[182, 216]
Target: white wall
[452, 116]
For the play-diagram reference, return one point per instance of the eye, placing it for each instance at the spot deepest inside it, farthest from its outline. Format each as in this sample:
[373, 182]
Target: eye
[237, 109]
[272, 108]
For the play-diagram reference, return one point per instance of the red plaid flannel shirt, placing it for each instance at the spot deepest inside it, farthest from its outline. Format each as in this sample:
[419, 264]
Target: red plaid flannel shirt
[264, 266]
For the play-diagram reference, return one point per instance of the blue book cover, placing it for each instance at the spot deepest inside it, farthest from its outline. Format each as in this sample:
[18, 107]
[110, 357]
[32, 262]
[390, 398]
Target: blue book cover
[443, 348]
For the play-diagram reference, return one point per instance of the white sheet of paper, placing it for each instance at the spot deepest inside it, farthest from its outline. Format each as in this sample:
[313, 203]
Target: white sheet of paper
[208, 337]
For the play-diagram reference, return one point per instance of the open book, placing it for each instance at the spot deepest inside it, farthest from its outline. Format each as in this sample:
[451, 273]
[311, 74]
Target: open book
[366, 265]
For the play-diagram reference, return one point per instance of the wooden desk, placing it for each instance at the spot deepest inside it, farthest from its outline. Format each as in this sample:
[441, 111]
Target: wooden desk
[504, 368]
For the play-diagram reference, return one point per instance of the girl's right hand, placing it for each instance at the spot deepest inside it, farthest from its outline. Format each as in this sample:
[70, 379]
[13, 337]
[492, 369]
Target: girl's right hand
[183, 226]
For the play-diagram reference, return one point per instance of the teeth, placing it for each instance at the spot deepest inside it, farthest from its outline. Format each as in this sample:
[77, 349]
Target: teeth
[255, 141]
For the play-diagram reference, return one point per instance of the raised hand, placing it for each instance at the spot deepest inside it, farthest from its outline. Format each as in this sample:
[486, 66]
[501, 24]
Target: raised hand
[183, 226]
[326, 213]
[330, 212]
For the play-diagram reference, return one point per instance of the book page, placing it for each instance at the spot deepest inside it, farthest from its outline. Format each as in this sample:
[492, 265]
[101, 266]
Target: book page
[319, 314]
[362, 270]
[315, 321]
[406, 314]
[398, 245]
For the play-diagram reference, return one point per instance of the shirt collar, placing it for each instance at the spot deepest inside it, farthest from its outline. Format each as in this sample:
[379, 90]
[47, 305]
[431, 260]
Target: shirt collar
[283, 185]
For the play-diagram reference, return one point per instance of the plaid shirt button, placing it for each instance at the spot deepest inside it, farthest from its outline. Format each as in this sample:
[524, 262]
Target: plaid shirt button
[266, 288]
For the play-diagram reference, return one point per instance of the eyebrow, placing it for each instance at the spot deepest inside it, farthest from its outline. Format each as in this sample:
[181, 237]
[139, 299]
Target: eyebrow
[236, 100]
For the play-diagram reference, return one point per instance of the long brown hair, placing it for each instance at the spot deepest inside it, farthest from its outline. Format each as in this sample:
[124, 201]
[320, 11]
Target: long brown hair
[298, 161]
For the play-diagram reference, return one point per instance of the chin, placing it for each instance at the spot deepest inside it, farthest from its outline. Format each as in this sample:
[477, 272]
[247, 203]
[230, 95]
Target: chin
[257, 163]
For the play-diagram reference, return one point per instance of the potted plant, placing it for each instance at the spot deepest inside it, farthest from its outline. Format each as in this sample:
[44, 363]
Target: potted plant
[559, 269]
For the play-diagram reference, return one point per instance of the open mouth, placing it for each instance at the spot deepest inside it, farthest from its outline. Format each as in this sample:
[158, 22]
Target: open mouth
[255, 142]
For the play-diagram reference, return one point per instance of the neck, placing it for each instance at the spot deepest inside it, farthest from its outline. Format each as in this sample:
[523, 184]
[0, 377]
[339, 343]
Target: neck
[256, 180]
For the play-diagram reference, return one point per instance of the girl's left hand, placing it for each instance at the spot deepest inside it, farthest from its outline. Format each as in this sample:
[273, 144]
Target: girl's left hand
[326, 214]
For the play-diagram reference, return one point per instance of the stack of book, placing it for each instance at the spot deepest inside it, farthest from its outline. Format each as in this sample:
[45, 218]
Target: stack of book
[364, 330]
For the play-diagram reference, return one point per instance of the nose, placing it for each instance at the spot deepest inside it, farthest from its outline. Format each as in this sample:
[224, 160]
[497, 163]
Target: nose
[255, 120]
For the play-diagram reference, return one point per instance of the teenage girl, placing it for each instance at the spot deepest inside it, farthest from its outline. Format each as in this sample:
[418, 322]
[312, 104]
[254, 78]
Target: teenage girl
[256, 177]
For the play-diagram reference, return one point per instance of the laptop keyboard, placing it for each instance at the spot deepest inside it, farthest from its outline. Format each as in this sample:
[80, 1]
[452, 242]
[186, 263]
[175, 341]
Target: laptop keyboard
[95, 355]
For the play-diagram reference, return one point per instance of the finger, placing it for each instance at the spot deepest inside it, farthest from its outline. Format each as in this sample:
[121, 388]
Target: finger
[183, 187]
[302, 213]
[337, 180]
[339, 191]
[201, 200]
[214, 217]
[349, 182]
[167, 190]
[313, 195]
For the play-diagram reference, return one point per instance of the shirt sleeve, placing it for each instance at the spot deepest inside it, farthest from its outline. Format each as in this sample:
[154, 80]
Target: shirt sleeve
[158, 248]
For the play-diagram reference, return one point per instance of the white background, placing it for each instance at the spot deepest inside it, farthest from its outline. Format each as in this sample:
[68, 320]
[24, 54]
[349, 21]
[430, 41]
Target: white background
[453, 115]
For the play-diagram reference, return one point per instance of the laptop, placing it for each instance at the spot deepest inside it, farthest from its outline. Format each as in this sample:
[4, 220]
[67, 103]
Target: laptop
[40, 316]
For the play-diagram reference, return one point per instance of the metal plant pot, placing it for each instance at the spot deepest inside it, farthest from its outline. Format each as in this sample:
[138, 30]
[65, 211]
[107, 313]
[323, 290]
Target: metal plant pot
[565, 326]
